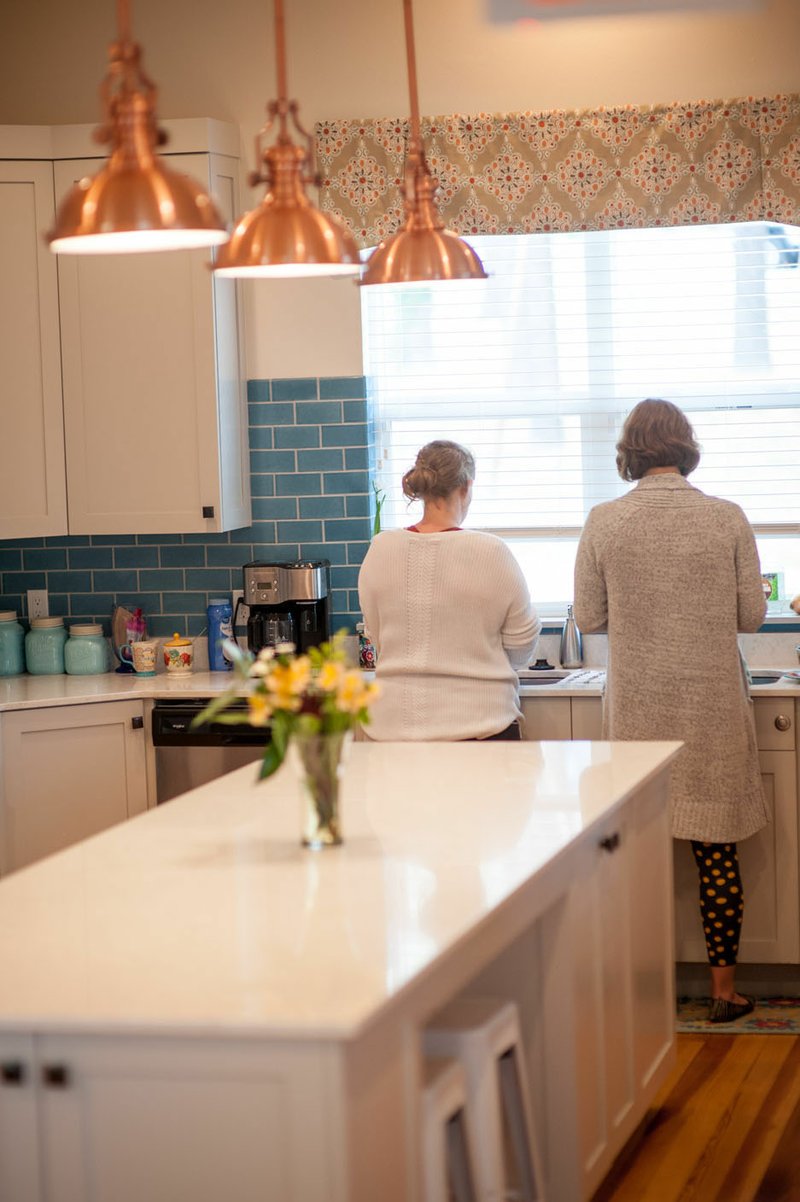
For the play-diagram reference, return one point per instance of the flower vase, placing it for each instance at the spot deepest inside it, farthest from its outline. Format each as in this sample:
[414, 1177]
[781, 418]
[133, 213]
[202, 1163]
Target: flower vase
[317, 760]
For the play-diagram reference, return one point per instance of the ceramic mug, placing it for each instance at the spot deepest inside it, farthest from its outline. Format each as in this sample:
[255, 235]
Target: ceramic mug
[179, 654]
[143, 655]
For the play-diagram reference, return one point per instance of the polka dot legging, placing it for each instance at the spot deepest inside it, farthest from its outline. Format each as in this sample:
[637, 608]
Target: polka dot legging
[721, 900]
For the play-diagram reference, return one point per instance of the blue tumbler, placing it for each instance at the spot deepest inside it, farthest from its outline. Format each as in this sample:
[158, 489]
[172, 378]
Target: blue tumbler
[220, 626]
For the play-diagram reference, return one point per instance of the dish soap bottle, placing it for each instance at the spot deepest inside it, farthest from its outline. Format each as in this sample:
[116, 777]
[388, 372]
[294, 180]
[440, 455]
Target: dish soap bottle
[571, 651]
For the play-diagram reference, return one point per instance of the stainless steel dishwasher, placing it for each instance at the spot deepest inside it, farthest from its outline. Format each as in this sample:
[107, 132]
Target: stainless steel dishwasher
[186, 758]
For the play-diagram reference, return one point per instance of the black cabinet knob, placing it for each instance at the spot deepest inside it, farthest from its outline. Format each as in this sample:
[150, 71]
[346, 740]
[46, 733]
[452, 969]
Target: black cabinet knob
[208, 511]
[55, 1076]
[137, 723]
[610, 843]
[12, 1072]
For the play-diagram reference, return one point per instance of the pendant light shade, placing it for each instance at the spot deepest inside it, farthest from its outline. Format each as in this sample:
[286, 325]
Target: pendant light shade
[286, 235]
[135, 202]
[422, 250]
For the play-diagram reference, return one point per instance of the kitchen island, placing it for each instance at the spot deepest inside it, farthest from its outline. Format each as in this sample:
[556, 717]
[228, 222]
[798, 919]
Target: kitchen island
[192, 1006]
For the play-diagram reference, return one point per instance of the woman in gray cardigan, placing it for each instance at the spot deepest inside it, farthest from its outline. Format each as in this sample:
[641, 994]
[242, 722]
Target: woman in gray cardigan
[673, 575]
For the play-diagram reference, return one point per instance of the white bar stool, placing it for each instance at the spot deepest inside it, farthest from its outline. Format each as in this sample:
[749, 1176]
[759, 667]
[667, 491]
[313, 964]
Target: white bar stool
[446, 1155]
[483, 1035]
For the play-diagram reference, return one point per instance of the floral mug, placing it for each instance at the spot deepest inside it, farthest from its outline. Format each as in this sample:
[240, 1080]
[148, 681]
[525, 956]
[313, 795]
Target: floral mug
[178, 654]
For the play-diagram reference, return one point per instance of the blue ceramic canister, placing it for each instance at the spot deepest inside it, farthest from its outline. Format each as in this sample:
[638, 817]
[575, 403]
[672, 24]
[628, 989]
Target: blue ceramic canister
[220, 626]
[86, 650]
[12, 644]
[44, 646]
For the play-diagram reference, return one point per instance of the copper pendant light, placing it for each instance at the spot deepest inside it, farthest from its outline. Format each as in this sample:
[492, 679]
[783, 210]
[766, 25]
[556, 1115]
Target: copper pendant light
[286, 235]
[135, 202]
[423, 250]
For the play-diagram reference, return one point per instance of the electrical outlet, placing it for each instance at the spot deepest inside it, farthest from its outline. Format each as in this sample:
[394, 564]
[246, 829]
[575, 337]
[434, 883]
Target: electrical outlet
[38, 606]
[244, 610]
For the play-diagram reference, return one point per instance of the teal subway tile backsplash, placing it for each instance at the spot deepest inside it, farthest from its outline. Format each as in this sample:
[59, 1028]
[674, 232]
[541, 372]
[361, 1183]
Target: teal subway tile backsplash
[258, 390]
[342, 388]
[294, 390]
[310, 445]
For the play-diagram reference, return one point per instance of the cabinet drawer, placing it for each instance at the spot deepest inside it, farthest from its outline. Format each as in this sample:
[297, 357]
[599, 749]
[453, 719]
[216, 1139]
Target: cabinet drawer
[775, 723]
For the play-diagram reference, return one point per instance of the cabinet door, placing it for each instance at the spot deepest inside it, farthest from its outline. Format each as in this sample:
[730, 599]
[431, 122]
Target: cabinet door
[587, 718]
[621, 912]
[67, 773]
[546, 718]
[32, 481]
[190, 1121]
[149, 408]
[768, 861]
[603, 998]
[19, 1154]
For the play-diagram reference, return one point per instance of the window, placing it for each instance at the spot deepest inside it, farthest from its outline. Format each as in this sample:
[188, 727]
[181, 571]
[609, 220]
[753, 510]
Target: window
[536, 368]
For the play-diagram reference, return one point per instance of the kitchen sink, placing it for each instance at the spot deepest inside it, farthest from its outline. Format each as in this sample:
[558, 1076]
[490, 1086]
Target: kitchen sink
[544, 675]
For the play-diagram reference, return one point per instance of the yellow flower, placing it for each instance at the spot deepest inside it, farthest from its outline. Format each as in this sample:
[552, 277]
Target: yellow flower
[353, 693]
[290, 680]
[329, 676]
[260, 707]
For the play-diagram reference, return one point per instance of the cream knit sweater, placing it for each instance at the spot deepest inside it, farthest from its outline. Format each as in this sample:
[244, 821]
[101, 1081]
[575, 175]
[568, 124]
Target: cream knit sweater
[451, 620]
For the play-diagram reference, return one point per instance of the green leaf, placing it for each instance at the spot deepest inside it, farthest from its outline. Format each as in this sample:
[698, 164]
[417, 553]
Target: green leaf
[271, 761]
[281, 730]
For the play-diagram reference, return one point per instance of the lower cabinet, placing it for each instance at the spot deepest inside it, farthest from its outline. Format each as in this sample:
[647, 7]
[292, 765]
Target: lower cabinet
[123, 1120]
[559, 718]
[67, 772]
[624, 971]
[768, 859]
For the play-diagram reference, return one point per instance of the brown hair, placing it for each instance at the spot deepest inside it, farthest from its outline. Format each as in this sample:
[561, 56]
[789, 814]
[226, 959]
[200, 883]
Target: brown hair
[440, 469]
[656, 434]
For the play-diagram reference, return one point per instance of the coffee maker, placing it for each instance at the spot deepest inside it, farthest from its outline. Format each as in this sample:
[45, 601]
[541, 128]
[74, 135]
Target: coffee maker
[288, 603]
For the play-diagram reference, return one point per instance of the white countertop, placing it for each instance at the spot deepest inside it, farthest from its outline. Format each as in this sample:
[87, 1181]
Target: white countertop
[206, 915]
[32, 692]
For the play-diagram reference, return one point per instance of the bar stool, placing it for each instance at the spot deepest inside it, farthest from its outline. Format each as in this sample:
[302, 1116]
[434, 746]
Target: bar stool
[483, 1035]
[446, 1155]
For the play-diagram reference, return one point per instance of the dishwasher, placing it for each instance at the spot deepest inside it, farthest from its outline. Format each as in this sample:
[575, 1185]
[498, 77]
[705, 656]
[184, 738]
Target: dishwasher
[186, 758]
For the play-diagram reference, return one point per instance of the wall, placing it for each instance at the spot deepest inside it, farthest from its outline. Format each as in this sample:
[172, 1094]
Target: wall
[309, 448]
[347, 60]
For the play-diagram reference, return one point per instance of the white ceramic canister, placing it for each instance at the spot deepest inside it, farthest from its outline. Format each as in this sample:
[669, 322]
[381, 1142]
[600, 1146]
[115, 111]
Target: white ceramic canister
[179, 654]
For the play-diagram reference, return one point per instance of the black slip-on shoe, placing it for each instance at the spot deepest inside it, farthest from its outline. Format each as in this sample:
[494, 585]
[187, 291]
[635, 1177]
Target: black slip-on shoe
[723, 1011]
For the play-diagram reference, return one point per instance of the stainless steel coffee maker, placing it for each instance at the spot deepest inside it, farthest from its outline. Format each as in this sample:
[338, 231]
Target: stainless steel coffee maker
[288, 603]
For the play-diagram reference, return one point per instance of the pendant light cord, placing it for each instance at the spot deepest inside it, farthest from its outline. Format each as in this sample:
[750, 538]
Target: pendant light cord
[411, 61]
[124, 20]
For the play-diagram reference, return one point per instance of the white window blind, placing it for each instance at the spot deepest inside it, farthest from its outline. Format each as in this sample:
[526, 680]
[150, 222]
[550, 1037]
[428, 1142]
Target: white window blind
[536, 368]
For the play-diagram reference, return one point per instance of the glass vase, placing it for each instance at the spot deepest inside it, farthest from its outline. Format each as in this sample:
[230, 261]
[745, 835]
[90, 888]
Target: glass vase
[318, 760]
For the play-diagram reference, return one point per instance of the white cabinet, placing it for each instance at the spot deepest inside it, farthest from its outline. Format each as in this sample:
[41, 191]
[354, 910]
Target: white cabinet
[559, 718]
[623, 992]
[67, 772]
[32, 480]
[154, 420]
[546, 718]
[768, 860]
[170, 1119]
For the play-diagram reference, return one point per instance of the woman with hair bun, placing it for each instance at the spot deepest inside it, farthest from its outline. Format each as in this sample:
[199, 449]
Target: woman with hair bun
[449, 613]
[673, 576]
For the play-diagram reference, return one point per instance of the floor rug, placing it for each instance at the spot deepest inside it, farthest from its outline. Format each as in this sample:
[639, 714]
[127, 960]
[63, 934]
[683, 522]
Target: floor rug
[772, 1016]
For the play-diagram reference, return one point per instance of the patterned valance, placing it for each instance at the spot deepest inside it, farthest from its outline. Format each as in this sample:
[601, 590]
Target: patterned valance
[611, 168]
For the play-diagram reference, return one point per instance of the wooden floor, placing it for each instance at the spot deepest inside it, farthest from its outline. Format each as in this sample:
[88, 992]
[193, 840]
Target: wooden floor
[725, 1128]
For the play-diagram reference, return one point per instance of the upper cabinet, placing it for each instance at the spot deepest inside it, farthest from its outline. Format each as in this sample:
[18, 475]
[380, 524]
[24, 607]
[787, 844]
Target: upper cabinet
[154, 425]
[32, 481]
